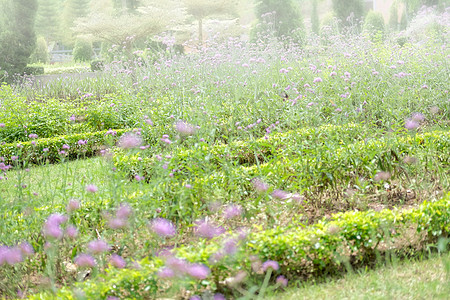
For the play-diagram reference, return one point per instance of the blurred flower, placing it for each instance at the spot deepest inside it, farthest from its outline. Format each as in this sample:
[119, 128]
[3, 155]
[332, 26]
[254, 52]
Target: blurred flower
[91, 188]
[198, 271]
[280, 194]
[73, 205]
[71, 231]
[282, 281]
[117, 261]
[418, 117]
[130, 140]
[166, 273]
[232, 211]
[33, 136]
[124, 211]
[270, 264]
[85, 261]
[98, 246]
[411, 124]
[259, 185]
[52, 227]
[207, 230]
[184, 128]
[163, 227]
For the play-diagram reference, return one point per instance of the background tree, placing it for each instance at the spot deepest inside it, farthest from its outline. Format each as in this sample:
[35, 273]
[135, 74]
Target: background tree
[17, 35]
[285, 20]
[201, 9]
[48, 19]
[346, 8]
[315, 23]
[72, 11]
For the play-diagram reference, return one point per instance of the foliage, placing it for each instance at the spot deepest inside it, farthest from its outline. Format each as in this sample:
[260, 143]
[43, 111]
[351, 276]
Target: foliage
[33, 70]
[283, 22]
[17, 36]
[40, 53]
[48, 19]
[348, 11]
[82, 52]
[374, 26]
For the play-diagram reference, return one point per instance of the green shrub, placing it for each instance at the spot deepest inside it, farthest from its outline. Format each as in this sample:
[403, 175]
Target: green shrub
[374, 26]
[40, 53]
[82, 51]
[97, 65]
[33, 70]
[54, 149]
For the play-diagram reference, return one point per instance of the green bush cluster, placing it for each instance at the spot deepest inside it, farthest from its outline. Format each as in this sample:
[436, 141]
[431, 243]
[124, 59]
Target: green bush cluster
[82, 51]
[322, 248]
[374, 26]
[48, 150]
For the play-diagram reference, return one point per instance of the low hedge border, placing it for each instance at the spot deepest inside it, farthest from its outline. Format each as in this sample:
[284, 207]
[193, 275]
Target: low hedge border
[55, 149]
[313, 250]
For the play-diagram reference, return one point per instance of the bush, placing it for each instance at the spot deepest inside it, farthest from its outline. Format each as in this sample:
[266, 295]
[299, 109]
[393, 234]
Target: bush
[40, 53]
[82, 51]
[97, 65]
[347, 8]
[33, 70]
[374, 26]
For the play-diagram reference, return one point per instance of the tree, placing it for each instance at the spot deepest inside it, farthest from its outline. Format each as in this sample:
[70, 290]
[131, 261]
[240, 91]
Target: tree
[72, 11]
[17, 35]
[344, 9]
[48, 19]
[201, 9]
[285, 21]
[315, 23]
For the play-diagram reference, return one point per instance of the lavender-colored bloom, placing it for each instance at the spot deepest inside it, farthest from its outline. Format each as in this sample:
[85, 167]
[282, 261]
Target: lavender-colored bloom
[98, 246]
[52, 227]
[184, 128]
[73, 205]
[232, 211]
[195, 298]
[2, 125]
[282, 281]
[259, 185]
[124, 211]
[26, 248]
[91, 188]
[117, 223]
[71, 231]
[13, 256]
[280, 194]
[207, 230]
[163, 227]
[411, 124]
[177, 265]
[318, 79]
[198, 271]
[82, 142]
[66, 147]
[418, 117]
[230, 246]
[117, 261]
[85, 261]
[219, 296]
[33, 136]
[130, 140]
[270, 264]
[166, 273]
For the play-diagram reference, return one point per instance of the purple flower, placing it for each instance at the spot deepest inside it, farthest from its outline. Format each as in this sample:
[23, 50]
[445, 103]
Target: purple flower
[66, 147]
[117, 261]
[232, 211]
[117, 223]
[10, 255]
[71, 231]
[33, 136]
[2, 125]
[230, 246]
[411, 124]
[184, 128]
[177, 265]
[270, 264]
[98, 246]
[418, 117]
[91, 188]
[163, 227]
[318, 79]
[219, 296]
[82, 142]
[206, 230]
[73, 205]
[282, 281]
[166, 273]
[259, 185]
[52, 227]
[130, 140]
[26, 248]
[85, 261]
[124, 211]
[280, 194]
[198, 271]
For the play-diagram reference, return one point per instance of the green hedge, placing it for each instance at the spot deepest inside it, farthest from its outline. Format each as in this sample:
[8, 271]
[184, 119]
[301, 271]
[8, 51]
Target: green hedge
[49, 149]
[301, 250]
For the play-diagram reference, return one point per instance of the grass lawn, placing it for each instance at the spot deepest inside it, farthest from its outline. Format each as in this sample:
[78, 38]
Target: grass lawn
[427, 279]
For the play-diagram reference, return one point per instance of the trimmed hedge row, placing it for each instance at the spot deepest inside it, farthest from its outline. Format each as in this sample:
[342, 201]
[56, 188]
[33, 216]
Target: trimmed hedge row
[318, 249]
[244, 152]
[57, 148]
